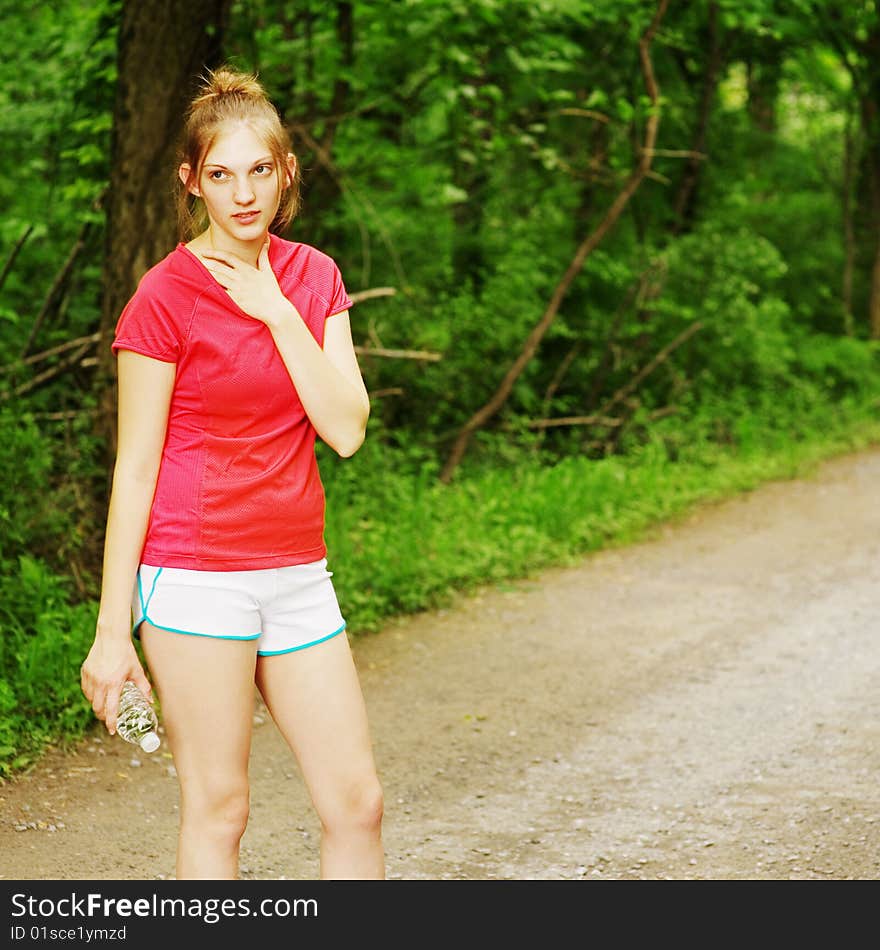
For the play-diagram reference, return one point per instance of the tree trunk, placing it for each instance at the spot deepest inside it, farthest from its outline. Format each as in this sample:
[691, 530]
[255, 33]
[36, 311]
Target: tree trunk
[163, 49]
[321, 191]
[871, 128]
[685, 199]
[470, 175]
[764, 75]
[850, 148]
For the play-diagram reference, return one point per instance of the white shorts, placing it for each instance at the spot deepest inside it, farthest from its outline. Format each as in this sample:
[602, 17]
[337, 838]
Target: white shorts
[283, 609]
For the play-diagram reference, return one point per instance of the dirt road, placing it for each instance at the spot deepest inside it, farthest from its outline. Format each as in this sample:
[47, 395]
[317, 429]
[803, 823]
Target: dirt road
[705, 704]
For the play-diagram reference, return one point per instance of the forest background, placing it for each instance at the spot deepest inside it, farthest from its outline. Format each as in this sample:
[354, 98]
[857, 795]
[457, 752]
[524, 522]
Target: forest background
[609, 258]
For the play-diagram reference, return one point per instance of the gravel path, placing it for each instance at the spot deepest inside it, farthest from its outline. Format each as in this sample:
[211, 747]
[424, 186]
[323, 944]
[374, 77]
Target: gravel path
[703, 704]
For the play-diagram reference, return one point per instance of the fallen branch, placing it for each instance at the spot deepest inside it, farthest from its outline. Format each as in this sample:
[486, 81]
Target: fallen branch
[392, 391]
[360, 295]
[57, 370]
[65, 415]
[54, 351]
[584, 113]
[574, 421]
[662, 413]
[678, 153]
[398, 354]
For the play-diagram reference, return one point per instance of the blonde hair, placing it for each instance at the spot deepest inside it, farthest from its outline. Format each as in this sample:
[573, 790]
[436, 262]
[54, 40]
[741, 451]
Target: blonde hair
[227, 95]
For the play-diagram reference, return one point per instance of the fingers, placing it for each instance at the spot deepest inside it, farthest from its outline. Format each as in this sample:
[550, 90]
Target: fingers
[102, 675]
[221, 266]
[111, 710]
[222, 276]
[104, 696]
[143, 684]
[84, 683]
[223, 257]
[100, 701]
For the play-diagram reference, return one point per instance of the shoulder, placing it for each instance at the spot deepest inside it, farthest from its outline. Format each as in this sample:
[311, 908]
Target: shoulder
[310, 270]
[178, 274]
[157, 319]
[304, 259]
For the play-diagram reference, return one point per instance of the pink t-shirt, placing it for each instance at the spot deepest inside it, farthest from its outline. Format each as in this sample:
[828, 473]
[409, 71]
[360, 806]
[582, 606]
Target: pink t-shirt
[238, 487]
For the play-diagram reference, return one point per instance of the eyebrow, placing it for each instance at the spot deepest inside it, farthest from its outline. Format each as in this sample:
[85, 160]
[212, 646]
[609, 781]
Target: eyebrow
[263, 161]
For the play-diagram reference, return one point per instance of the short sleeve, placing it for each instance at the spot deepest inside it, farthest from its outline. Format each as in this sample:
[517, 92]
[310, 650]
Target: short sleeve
[339, 298]
[150, 323]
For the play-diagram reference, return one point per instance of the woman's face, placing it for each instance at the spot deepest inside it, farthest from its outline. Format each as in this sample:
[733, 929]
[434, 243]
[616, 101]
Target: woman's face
[240, 183]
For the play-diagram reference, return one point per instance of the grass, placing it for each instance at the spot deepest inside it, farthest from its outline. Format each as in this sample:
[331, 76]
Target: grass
[401, 542]
[408, 543]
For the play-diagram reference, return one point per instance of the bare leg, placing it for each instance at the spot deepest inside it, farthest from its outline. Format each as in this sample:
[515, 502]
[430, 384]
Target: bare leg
[315, 699]
[206, 689]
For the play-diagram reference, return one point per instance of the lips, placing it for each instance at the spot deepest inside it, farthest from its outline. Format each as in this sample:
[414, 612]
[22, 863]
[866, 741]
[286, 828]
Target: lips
[246, 217]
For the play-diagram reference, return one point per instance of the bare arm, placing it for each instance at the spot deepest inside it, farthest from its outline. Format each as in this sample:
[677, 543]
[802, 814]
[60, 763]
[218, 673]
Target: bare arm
[145, 387]
[328, 380]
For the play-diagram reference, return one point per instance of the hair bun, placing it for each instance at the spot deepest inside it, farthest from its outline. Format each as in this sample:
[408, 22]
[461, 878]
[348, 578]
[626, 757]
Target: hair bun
[225, 81]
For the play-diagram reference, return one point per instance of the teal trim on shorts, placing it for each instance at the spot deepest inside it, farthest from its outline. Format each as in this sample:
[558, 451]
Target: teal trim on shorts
[189, 633]
[192, 633]
[303, 646]
[152, 590]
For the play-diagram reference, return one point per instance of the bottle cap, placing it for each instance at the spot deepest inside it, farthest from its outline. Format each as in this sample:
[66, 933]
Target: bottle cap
[150, 742]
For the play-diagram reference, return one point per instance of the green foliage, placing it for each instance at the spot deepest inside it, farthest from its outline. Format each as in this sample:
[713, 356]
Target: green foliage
[460, 152]
[57, 78]
[43, 641]
[726, 280]
[400, 542]
[25, 463]
[49, 478]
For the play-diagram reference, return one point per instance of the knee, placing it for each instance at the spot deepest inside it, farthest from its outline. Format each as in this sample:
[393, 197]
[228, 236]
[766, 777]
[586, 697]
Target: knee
[360, 807]
[220, 812]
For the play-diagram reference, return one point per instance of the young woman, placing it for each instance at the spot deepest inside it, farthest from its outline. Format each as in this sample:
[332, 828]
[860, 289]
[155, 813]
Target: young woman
[233, 355]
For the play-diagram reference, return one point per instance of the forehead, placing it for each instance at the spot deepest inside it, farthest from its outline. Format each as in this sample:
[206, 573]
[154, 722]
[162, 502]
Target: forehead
[236, 143]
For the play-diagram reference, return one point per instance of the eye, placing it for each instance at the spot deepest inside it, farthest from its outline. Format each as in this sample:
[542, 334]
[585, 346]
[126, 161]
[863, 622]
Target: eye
[263, 169]
[217, 175]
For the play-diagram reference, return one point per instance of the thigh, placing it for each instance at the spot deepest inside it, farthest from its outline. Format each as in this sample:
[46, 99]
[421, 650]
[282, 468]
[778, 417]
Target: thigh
[206, 692]
[315, 699]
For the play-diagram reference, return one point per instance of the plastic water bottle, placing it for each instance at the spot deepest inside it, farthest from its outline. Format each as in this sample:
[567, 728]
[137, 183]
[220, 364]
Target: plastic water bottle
[137, 722]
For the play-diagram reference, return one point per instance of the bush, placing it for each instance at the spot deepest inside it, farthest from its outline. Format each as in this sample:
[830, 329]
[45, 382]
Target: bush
[43, 641]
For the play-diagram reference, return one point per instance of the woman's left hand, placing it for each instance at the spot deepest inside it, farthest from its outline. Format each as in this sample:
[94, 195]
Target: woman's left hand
[254, 289]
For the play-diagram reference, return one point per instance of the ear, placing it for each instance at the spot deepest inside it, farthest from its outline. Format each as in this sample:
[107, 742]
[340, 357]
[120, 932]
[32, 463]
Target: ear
[290, 169]
[184, 173]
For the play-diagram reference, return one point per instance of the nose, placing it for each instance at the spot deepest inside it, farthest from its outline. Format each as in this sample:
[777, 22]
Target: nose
[244, 192]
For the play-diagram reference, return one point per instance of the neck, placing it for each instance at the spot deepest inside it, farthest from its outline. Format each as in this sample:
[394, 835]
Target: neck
[216, 240]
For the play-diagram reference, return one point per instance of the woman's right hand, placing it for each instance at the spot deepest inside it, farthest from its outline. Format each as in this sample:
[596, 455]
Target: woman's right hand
[111, 661]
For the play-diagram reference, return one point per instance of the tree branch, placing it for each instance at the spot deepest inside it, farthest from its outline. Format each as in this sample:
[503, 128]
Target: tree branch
[361, 295]
[54, 351]
[19, 244]
[58, 285]
[574, 421]
[57, 370]
[661, 356]
[482, 415]
[428, 355]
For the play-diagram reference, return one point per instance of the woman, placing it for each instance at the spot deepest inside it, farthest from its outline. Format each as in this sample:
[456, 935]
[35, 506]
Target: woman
[233, 355]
